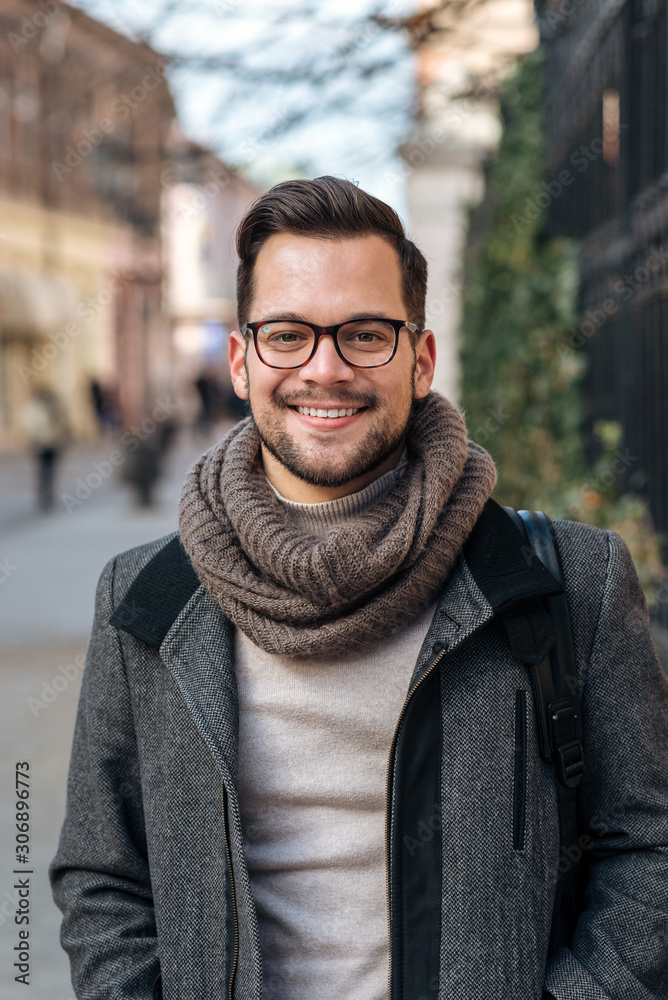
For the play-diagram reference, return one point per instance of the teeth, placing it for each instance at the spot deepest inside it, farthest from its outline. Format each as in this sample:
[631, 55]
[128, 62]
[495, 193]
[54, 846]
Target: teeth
[314, 412]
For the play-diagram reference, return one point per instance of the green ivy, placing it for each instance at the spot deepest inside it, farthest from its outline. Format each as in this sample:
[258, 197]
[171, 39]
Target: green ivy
[522, 380]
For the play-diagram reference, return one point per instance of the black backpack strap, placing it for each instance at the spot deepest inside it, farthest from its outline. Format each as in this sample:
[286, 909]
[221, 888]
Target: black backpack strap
[557, 697]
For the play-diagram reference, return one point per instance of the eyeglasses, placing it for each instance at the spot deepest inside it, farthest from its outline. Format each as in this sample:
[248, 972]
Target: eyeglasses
[362, 343]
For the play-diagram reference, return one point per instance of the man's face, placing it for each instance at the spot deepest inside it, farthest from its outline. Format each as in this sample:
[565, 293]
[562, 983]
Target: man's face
[327, 282]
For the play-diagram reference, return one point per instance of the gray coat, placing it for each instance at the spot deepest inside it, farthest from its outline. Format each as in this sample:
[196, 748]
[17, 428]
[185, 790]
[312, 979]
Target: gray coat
[150, 873]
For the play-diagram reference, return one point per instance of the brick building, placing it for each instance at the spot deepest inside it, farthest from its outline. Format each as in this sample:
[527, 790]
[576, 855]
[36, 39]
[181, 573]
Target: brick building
[84, 117]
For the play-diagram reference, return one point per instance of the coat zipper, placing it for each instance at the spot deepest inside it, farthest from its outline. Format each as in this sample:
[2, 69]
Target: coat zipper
[235, 952]
[388, 804]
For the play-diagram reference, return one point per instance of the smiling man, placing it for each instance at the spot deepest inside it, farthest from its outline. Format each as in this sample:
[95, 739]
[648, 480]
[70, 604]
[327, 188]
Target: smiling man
[308, 761]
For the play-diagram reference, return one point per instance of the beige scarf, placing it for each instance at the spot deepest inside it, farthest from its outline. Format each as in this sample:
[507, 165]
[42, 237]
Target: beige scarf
[296, 594]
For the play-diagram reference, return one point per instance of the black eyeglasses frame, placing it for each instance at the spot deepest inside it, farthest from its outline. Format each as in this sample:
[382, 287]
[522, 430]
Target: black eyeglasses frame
[331, 331]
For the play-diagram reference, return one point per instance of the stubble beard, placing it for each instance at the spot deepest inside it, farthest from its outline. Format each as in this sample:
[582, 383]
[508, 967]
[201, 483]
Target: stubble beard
[306, 464]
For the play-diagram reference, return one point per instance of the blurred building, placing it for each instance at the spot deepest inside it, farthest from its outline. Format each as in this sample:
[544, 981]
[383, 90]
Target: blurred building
[204, 200]
[468, 50]
[84, 117]
[607, 176]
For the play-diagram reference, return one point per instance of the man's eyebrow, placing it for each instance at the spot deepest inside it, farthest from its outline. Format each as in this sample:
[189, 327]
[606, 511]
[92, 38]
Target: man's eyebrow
[297, 317]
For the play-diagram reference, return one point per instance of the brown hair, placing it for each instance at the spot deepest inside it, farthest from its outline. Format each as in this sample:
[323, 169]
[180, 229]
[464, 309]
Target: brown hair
[327, 208]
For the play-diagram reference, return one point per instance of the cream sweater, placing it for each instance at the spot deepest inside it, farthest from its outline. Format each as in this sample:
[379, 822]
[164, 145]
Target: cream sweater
[314, 744]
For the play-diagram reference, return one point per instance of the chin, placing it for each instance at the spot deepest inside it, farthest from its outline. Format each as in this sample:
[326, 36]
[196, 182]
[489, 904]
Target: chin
[316, 471]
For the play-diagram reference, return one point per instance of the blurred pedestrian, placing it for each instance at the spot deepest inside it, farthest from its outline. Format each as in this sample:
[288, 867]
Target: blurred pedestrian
[209, 393]
[48, 432]
[97, 398]
[143, 460]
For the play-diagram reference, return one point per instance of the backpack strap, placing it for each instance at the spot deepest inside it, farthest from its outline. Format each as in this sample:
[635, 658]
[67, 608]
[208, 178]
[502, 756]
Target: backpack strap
[557, 698]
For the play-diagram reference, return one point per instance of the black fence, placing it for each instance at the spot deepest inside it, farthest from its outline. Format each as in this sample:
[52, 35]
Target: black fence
[606, 104]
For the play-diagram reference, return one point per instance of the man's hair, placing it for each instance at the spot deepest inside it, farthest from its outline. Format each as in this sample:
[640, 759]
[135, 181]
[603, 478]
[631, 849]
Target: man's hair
[327, 208]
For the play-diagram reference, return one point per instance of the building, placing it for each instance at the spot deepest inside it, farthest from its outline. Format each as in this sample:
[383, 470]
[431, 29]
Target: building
[204, 200]
[469, 50]
[84, 117]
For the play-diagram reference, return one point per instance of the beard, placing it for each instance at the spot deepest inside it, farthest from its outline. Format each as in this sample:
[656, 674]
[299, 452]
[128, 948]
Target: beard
[315, 465]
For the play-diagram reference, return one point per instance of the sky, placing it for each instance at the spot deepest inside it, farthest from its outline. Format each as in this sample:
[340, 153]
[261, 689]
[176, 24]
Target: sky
[351, 124]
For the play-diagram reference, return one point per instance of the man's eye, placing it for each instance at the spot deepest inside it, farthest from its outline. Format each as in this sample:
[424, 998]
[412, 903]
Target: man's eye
[285, 338]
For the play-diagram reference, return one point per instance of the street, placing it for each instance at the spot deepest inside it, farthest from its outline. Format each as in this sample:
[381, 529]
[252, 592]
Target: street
[49, 566]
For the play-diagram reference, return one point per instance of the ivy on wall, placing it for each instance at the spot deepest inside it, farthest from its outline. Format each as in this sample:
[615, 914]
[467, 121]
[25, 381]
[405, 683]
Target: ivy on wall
[522, 378]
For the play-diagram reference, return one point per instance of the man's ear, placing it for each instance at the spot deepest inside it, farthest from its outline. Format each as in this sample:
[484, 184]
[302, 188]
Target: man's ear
[425, 357]
[236, 353]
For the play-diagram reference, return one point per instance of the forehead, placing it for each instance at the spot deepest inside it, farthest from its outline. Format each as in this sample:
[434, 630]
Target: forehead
[330, 278]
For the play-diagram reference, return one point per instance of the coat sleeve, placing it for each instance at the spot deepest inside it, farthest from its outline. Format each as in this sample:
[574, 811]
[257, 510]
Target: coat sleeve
[100, 875]
[619, 949]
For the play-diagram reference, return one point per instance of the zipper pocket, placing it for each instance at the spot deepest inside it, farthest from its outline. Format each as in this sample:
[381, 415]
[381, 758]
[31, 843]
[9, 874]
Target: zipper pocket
[235, 952]
[520, 770]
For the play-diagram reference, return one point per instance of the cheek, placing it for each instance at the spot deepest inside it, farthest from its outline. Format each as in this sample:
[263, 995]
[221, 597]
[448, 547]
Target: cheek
[261, 385]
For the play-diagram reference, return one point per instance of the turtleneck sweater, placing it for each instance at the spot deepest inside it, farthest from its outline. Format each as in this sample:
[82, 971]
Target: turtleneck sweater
[314, 744]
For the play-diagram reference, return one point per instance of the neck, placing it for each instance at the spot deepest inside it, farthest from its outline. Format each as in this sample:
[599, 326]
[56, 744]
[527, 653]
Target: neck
[293, 488]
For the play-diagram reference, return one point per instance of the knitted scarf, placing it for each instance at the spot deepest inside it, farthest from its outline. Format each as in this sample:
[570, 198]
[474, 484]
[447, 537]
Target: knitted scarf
[304, 596]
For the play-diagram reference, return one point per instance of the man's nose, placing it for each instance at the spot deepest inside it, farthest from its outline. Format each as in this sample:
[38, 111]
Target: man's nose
[326, 365]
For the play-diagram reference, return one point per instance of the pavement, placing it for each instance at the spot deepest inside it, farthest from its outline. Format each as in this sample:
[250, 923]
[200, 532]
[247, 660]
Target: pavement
[49, 567]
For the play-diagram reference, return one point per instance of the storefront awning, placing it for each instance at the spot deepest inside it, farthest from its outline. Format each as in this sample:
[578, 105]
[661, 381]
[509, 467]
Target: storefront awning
[34, 304]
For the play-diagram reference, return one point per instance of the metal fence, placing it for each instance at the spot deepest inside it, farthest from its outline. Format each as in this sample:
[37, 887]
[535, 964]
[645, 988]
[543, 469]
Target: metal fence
[606, 101]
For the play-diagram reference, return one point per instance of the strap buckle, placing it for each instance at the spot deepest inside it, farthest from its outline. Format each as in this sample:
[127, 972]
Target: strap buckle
[565, 732]
[570, 763]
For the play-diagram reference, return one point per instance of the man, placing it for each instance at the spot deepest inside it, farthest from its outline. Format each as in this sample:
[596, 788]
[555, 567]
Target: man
[306, 761]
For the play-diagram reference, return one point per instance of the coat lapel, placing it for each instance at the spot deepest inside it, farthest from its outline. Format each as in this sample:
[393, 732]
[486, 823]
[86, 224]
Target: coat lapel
[199, 652]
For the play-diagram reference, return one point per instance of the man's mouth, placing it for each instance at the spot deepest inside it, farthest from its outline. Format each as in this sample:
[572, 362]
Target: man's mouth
[314, 411]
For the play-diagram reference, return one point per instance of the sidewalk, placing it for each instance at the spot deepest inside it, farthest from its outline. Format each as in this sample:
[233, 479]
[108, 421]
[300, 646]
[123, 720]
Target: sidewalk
[49, 567]
[50, 563]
